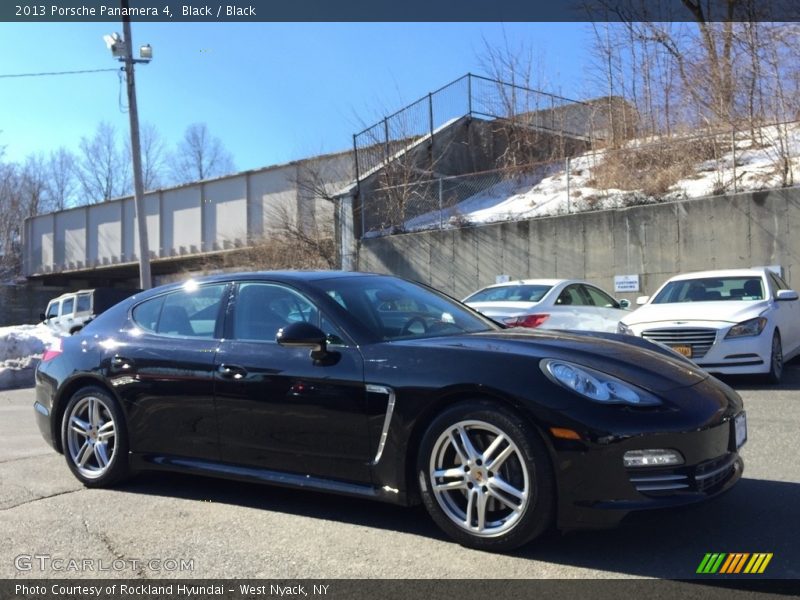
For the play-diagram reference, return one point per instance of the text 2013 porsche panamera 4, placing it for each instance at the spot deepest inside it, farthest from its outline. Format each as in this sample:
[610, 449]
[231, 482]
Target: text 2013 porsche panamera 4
[372, 386]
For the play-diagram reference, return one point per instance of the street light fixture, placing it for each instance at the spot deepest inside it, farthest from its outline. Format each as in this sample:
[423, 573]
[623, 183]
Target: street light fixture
[121, 49]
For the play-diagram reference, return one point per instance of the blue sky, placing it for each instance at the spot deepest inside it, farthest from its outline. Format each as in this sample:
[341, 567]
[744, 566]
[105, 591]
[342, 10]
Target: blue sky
[273, 92]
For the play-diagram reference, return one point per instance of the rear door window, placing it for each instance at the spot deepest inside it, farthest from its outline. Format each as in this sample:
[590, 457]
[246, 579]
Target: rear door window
[84, 303]
[191, 312]
[67, 306]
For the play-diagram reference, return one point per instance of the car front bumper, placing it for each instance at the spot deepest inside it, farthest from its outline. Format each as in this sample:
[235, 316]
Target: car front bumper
[727, 356]
[596, 490]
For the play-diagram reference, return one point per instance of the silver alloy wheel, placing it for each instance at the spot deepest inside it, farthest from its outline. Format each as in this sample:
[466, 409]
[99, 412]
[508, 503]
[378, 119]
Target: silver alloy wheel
[479, 478]
[91, 437]
[777, 356]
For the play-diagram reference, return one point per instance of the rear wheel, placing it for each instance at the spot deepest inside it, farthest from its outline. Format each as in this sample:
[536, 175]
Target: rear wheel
[94, 438]
[485, 477]
[776, 359]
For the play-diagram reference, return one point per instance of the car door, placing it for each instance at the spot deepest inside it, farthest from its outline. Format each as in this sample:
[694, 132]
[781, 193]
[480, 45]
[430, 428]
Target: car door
[572, 310]
[279, 409]
[164, 371]
[607, 309]
[51, 315]
[65, 318]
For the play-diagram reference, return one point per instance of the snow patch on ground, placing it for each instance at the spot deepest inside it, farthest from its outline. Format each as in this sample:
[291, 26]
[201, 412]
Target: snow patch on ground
[21, 348]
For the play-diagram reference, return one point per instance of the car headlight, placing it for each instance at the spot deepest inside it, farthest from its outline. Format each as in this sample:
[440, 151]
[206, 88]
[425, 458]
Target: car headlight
[624, 329]
[747, 328]
[596, 385]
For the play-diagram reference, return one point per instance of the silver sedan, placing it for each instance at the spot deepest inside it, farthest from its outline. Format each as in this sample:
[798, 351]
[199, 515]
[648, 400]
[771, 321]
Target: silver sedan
[550, 304]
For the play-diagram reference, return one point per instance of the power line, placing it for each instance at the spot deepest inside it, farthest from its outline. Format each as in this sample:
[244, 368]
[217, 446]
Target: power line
[56, 73]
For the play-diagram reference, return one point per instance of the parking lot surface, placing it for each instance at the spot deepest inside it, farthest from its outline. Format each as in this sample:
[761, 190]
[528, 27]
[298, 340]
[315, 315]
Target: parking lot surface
[163, 525]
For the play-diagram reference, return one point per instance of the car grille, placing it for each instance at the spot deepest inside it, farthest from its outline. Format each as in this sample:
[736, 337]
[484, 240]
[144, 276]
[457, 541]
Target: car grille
[700, 339]
[700, 478]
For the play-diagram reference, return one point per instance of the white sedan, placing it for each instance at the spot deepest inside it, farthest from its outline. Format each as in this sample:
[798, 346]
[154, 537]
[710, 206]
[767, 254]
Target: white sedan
[550, 304]
[733, 321]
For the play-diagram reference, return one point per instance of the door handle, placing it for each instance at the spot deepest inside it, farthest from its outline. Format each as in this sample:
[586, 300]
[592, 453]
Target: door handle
[120, 363]
[231, 372]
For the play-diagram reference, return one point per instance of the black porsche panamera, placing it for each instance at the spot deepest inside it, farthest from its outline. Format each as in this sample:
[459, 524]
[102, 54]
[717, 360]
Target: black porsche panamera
[373, 386]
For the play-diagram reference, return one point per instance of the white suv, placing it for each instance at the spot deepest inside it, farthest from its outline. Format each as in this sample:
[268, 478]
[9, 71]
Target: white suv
[70, 312]
[732, 321]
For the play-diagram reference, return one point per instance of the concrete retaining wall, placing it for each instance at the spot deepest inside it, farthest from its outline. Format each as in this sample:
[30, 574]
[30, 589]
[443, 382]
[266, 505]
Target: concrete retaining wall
[654, 242]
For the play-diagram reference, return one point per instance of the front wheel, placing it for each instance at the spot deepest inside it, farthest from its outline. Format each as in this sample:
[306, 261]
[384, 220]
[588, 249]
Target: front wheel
[485, 477]
[94, 438]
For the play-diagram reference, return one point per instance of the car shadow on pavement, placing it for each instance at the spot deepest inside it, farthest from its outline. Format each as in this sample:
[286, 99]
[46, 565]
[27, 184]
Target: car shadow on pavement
[313, 504]
[789, 382]
[755, 516]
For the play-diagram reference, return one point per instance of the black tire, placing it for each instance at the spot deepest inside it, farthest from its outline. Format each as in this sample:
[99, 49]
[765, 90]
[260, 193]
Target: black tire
[517, 500]
[87, 440]
[775, 360]
[75, 330]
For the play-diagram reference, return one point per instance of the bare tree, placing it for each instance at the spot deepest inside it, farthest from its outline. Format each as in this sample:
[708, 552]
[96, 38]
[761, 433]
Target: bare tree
[103, 168]
[61, 184]
[22, 194]
[200, 155]
[10, 217]
[154, 156]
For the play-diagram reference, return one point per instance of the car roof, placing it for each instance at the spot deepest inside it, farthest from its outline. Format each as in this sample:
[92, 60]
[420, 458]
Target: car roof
[751, 272]
[287, 275]
[550, 282]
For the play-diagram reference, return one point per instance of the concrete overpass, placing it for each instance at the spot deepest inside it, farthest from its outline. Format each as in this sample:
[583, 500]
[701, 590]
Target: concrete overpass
[198, 223]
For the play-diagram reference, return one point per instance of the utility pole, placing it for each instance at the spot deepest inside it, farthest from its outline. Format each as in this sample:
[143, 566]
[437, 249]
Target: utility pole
[145, 279]
[122, 50]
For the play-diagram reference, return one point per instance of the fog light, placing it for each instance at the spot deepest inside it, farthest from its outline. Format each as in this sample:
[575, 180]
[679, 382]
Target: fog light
[652, 458]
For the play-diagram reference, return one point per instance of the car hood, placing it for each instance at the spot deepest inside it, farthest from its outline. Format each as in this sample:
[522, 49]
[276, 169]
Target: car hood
[614, 354]
[729, 311]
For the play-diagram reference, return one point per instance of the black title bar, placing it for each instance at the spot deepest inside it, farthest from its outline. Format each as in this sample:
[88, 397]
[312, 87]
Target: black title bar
[406, 10]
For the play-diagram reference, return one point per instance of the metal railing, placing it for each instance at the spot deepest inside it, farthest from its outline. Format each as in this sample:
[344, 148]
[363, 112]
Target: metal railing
[468, 96]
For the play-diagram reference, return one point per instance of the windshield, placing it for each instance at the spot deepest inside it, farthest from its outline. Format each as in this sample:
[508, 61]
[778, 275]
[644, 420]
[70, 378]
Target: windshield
[510, 293]
[394, 309]
[712, 289]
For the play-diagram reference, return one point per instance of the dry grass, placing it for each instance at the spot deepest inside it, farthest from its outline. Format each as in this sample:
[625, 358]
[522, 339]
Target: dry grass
[655, 168]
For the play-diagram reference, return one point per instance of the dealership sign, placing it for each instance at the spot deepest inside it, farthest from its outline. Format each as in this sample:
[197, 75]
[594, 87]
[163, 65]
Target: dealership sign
[626, 283]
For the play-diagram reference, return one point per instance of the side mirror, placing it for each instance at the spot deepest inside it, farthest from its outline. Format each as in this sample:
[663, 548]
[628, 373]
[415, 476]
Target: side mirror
[624, 303]
[642, 300]
[42, 317]
[303, 335]
[786, 295]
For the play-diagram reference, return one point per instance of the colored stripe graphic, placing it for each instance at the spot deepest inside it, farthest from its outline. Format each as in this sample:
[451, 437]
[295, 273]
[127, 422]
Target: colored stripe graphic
[733, 563]
[711, 562]
[758, 563]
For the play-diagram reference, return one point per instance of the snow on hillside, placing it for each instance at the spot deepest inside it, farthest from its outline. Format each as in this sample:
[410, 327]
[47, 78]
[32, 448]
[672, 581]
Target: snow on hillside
[544, 192]
[21, 348]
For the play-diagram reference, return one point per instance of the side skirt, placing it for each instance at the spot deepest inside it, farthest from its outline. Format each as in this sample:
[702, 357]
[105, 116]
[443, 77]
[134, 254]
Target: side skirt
[151, 462]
